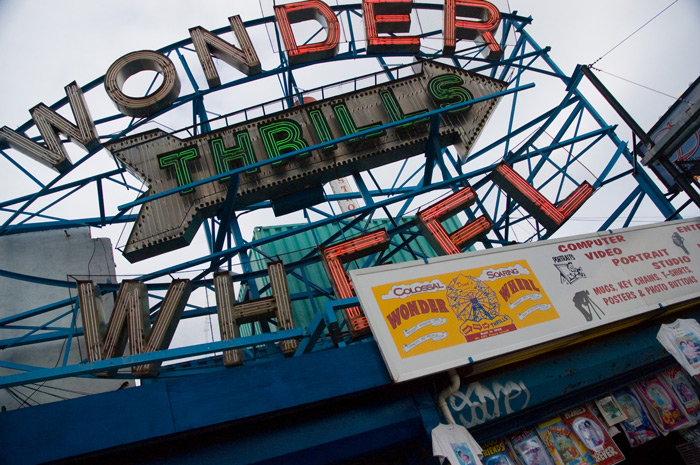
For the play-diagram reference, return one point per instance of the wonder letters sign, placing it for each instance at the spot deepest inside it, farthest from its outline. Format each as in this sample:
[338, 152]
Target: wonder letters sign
[166, 163]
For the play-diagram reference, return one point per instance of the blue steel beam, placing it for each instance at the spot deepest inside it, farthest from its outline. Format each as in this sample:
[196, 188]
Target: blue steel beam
[19, 340]
[56, 335]
[226, 212]
[642, 178]
[47, 374]
[63, 187]
[360, 211]
[311, 148]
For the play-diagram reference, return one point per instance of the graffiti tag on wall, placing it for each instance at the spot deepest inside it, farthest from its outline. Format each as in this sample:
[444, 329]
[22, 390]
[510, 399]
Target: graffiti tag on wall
[477, 403]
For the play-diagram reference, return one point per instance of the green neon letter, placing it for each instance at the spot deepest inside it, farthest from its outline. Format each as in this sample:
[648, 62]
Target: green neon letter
[179, 161]
[322, 129]
[224, 157]
[447, 90]
[395, 112]
[348, 124]
[282, 137]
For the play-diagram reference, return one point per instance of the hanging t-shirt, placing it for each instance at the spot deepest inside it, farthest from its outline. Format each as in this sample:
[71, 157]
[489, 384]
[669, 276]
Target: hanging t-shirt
[454, 443]
[682, 340]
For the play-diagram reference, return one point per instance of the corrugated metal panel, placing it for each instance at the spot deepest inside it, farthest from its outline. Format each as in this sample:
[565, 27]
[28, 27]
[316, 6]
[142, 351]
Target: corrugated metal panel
[298, 246]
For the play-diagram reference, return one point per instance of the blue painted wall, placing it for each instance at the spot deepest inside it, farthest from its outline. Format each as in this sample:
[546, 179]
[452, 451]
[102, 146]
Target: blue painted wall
[317, 408]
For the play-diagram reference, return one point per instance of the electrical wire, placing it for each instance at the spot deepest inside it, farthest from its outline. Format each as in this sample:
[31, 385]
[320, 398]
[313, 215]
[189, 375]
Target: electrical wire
[642, 86]
[56, 388]
[636, 31]
[571, 155]
[38, 389]
[17, 396]
[94, 249]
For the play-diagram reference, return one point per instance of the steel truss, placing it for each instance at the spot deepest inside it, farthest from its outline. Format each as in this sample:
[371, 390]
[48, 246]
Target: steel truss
[555, 150]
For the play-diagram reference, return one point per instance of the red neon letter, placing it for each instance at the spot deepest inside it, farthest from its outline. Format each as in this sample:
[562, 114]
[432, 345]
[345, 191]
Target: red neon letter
[304, 11]
[550, 216]
[333, 258]
[389, 16]
[489, 17]
[429, 223]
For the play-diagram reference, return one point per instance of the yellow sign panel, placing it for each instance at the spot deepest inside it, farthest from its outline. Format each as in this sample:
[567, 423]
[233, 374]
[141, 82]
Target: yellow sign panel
[450, 309]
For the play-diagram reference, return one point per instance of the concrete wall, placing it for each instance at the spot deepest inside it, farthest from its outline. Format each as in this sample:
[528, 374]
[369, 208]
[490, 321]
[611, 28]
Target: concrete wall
[62, 255]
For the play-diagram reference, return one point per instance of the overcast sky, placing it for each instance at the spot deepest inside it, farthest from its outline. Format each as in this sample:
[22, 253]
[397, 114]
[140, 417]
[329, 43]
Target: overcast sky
[47, 44]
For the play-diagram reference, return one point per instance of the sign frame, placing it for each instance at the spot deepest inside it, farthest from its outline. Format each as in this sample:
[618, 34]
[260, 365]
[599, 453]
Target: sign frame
[625, 252]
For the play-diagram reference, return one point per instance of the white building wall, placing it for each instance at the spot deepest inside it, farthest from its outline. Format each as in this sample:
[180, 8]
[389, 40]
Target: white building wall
[63, 255]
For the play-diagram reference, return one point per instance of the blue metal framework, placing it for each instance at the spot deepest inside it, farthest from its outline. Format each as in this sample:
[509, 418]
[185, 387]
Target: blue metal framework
[555, 150]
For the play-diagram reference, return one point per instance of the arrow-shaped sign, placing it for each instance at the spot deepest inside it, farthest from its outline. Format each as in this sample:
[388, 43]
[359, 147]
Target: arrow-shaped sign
[297, 149]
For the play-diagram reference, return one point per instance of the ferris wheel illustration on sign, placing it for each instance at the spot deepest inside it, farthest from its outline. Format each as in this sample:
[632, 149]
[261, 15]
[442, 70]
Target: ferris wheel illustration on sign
[472, 301]
[226, 162]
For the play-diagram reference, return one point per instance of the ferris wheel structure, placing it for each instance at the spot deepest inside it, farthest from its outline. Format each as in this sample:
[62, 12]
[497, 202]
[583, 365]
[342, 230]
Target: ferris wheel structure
[543, 132]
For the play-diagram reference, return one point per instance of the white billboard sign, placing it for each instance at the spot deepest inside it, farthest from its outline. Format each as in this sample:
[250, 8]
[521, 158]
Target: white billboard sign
[455, 309]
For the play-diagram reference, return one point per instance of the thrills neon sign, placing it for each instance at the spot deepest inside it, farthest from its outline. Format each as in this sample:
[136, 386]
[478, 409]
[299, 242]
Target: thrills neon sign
[191, 160]
[331, 138]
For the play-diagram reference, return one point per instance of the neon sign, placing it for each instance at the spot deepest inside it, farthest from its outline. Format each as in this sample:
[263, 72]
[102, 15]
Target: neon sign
[166, 162]
[131, 317]
[302, 11]
[549, 215]
[333, 258]
[429, 222]
[463, 19]
[482, 30]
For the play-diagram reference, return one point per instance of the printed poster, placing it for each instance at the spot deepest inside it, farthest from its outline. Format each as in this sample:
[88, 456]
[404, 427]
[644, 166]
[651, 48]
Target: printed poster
[449, 309]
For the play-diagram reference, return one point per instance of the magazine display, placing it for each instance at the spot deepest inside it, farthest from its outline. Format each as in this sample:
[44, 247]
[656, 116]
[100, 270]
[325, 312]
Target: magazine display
[563, 445]
[530, 449]
[682, 387]
[664, 408]
[498, 452]
[610, 410]
[593, 435]
[638, 427]
[644, 410]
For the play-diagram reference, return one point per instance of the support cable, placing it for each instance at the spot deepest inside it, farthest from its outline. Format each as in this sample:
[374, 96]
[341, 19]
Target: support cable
[642, 85]
[636, 31]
